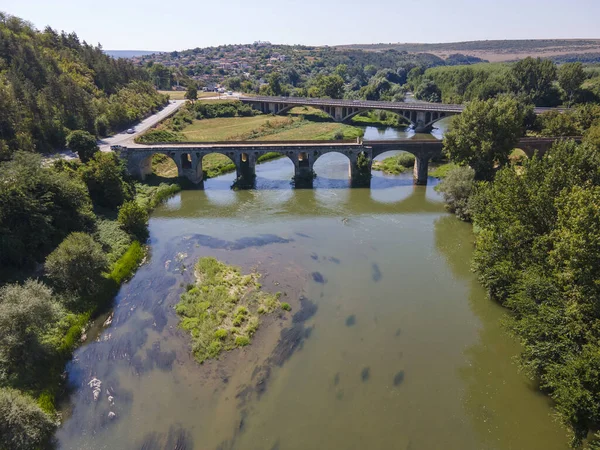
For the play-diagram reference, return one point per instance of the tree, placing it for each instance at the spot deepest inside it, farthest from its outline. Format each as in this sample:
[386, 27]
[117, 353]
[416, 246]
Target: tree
[293, 76]
[275, 84]
[342, 71]
[39, 206]
[457, 188]
[570, 78]
[428, 91]
[331, 86]
[23, 424]
[192, 93]
[554, 123]
[369, 70]
[134, 219]
[82, 143]
[485, 134]
[76, 265]
[592, 136]
[27, 312]
[104, 177]
[413, 79]
[533, 78]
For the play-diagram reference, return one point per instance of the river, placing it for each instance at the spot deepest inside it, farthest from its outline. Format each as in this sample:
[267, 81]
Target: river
[394, 344]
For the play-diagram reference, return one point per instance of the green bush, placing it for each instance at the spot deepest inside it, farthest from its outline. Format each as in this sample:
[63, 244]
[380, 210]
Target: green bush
[114, 240]
[406, 159]
[134, 219]
[27, 313]
[149, 197]
[286, 306]
[221, 333]
[23, 424]
[76, 265]
[82, 143]
[457, 188]
[242, 341]
[105, 176]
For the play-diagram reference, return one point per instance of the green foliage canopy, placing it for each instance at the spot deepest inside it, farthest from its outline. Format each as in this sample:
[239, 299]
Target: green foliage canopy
[82, 143]
[485, 134]
[134, 219]
[23, 424]
[38, 208]
[77, 264]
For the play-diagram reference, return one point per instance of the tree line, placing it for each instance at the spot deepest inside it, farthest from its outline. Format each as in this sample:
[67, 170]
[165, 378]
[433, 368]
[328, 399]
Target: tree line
[538, 81]
[537, 245]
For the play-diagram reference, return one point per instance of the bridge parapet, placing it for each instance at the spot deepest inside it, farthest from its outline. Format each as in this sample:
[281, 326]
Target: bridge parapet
[188, 156]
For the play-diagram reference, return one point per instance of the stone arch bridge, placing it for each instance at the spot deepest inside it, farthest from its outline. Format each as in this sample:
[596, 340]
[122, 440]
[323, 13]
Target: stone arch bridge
[188, 157]
[421, 115]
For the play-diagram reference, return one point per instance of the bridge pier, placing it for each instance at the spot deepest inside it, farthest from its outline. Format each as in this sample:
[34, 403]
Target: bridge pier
[422, 125]
[245, 164]
[421, 168]
[303, 169]
[360, 168]
[189, 165]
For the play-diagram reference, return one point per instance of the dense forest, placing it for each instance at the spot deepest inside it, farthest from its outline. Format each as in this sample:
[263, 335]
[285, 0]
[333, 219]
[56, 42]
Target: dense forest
[537, 243]
[51, 83]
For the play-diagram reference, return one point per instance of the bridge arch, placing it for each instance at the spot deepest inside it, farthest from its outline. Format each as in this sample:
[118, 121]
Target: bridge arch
[284, 160]
[217, 163]
[144, 164]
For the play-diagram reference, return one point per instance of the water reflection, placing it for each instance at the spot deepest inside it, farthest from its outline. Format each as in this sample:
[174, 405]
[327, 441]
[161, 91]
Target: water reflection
[399, 197]
[493, 386]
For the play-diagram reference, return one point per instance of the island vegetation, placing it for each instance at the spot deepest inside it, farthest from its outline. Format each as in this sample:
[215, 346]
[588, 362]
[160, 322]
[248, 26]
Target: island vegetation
[222, 310]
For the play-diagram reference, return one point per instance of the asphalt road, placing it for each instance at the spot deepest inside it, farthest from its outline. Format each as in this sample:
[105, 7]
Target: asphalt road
[124, 138]
[127, 139]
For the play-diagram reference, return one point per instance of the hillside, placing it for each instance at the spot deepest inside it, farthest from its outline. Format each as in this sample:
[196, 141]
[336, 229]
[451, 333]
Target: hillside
[51, 83]
[495, 50]
[128, 53]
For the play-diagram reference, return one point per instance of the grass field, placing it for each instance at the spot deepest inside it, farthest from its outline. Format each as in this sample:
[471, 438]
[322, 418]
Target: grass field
[180, 95]
[315, 131]
[266, 128]
[227, 128]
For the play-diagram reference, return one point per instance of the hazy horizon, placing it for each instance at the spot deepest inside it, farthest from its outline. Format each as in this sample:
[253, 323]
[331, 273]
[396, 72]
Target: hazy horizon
[148, 26]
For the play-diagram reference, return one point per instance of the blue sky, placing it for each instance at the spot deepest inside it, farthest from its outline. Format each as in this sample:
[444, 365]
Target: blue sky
[182, 24]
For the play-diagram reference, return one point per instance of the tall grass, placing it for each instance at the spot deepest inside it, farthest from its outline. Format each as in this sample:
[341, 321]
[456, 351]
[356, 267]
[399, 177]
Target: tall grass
[126, 265]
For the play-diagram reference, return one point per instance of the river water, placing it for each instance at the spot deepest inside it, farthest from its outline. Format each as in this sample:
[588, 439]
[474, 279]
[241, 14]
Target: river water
[391, 342]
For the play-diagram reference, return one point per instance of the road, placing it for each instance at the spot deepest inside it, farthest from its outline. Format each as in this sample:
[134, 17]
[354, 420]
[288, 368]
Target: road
[124, 138]
[127, 139]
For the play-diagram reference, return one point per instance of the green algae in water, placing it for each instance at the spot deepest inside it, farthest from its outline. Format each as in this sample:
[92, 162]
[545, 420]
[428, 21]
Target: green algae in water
[221, 311]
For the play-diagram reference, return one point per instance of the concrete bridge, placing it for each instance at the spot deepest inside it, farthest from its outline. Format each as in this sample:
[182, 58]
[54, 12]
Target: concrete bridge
[421, 115]
[188, 157]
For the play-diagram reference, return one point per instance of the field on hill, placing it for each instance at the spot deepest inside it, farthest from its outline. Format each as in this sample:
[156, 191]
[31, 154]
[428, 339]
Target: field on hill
[493, 51]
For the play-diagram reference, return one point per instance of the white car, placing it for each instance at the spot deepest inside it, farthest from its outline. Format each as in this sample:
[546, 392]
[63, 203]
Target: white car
[130, 131]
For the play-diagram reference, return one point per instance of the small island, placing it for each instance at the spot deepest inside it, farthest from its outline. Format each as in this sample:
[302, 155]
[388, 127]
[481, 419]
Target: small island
[222, 310]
